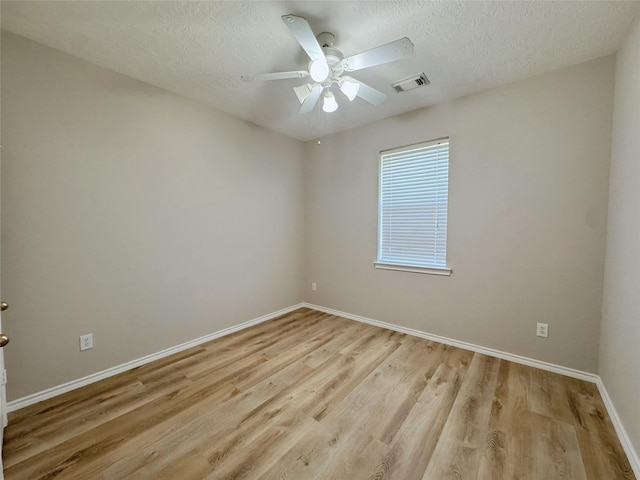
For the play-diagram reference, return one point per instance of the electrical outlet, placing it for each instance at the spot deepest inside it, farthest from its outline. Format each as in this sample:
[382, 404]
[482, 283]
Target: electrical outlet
[542, 330]
[86, 341]
[314, 287]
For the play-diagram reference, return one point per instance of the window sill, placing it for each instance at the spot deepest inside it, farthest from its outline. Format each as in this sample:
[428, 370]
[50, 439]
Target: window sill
[407, 268]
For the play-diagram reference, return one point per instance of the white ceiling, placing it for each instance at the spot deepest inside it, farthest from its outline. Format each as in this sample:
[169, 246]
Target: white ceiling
[200, 49]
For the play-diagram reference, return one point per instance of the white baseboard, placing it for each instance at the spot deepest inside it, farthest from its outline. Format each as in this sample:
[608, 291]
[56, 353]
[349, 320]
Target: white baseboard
[551, 367]
[95, 377]
[632, 455]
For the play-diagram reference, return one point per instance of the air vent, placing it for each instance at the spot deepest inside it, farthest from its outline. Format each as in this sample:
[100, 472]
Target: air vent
[411, 83]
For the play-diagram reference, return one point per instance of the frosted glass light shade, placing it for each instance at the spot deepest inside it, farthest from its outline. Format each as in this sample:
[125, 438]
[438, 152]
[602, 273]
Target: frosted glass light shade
[350, 89]
[319, 71]
[329, 105]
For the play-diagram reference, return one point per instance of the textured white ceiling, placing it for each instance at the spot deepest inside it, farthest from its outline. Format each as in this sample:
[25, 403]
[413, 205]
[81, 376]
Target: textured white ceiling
[200, 49]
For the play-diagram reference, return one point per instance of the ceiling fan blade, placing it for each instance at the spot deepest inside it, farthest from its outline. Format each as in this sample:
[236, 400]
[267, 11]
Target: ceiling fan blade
[311, 99]
[302, 91]
[390, 52]
[301, 30]
[370, 94]
[274, 76]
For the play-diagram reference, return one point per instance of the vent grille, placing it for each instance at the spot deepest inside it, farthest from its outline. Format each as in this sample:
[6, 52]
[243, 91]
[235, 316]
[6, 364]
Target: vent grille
[411, 83]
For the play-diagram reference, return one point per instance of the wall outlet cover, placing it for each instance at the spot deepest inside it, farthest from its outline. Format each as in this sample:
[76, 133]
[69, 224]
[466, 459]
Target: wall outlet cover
[86, 342]
[542, 330]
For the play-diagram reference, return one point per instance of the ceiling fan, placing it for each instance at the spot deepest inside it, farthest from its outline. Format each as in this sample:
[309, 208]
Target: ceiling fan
[327, 66]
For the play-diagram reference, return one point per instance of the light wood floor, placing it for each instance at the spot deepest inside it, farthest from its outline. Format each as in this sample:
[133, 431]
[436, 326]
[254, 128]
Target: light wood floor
[313, 396]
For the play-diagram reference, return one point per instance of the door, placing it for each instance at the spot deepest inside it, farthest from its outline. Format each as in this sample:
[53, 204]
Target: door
[3, 392]
[3, 380]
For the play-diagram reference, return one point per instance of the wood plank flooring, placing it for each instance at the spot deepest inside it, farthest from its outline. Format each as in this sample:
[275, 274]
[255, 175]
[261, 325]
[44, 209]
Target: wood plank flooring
[313, 396]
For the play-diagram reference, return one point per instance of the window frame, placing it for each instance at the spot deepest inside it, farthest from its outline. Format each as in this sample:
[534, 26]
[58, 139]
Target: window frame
[385, 265]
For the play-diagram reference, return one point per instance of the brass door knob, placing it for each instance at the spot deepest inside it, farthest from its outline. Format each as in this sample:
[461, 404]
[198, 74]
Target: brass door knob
[3, 306]
[3, 340]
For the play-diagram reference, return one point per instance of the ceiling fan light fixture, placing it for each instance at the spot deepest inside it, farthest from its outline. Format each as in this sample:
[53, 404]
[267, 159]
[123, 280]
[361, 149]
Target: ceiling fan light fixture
[350, 89]
[329, 104]
[319, 70]
[326, 65]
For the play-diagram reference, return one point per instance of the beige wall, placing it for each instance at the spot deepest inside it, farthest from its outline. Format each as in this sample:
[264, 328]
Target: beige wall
[134, 214]
[620, 334]
[527, 217]
[150, 220]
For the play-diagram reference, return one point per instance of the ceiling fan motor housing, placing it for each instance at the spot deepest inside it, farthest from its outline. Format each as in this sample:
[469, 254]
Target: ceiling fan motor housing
[326, 39]
[334, 56]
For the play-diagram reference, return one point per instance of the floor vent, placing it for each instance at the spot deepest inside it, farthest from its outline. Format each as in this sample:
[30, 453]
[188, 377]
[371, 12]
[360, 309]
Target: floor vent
[411, 83]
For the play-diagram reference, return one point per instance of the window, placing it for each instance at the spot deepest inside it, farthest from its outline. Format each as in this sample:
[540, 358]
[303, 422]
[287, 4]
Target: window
[412, 210]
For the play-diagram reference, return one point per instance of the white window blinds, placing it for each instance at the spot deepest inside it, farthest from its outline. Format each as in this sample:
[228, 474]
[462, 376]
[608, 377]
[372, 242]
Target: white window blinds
[412, 218]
